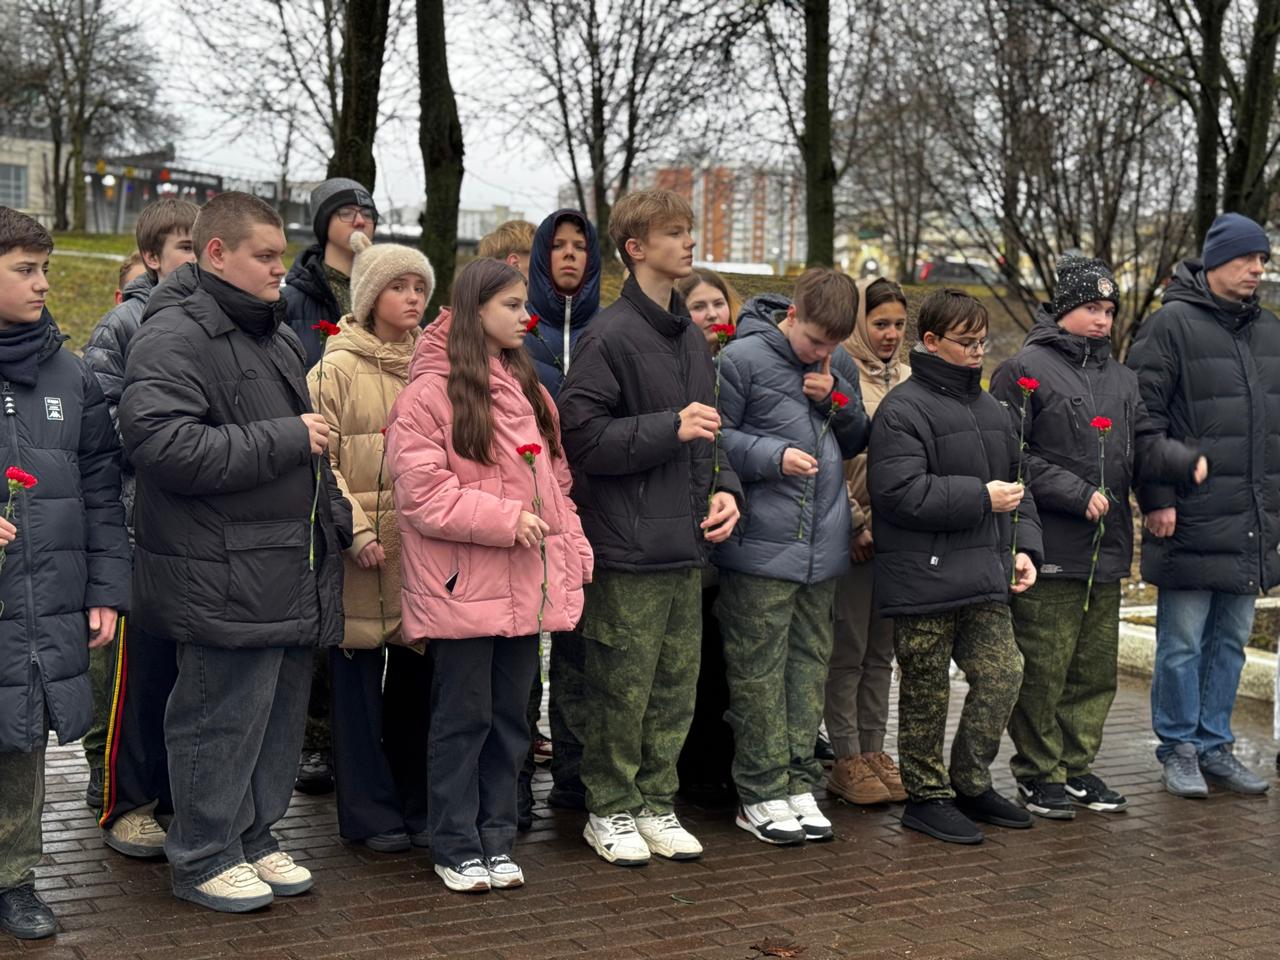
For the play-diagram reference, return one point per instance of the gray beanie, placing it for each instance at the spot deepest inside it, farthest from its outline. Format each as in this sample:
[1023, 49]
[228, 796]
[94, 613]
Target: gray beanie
[332, 194]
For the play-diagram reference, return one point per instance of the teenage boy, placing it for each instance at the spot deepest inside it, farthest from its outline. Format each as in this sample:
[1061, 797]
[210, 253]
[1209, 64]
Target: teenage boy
[791, 414]
[317, 288]
[638, 420]
[228, 564]
[131, 705]
[65, 600]
[131, 268]
[942, 471]
[1067, 630]
[511, 242]
[1208, 362]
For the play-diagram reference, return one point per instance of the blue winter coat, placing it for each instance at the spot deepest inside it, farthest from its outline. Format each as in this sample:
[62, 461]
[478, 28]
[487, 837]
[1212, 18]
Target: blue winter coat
[764, 411]
[548, 346]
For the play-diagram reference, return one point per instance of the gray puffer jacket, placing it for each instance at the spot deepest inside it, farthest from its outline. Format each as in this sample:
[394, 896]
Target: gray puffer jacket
[792, 529]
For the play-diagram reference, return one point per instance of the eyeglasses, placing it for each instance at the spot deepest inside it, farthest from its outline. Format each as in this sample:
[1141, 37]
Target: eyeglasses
[971, 347]
[348, 214]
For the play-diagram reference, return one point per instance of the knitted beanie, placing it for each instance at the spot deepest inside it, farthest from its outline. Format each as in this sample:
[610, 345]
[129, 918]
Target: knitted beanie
[376, 265]
[1233, 235]
[332, 194]
[1082, 280]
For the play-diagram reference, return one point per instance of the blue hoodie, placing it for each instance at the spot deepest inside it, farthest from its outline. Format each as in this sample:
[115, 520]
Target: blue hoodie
[561, 319]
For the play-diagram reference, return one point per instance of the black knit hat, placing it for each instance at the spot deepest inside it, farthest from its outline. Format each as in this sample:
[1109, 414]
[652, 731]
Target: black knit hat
[1083, 280]
[329, 196]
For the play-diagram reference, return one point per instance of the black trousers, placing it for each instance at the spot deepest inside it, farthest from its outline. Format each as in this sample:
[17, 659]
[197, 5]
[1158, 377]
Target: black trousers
[380, 739]
[137, 769]
[707, 757]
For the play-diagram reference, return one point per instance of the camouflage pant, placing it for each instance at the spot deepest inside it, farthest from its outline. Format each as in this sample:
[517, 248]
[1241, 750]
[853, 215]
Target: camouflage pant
[102, 668]
[564, 708]
[641, 650]
[21, 803]
[777, 643]
[1069, 679]
[979, 638]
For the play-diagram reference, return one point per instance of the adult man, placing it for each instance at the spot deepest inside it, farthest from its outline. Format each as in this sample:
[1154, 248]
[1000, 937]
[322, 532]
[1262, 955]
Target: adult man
[1209, 367]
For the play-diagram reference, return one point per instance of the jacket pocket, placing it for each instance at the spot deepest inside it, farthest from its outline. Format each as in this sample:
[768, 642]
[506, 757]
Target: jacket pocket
[266, 567]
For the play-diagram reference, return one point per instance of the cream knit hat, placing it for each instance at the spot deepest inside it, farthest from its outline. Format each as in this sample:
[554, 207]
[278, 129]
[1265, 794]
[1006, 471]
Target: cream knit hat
[376, 265]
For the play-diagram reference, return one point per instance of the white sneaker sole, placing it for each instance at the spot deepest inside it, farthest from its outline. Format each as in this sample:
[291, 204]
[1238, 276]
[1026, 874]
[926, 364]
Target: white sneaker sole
[509, 881]
[281, 889]
[671, 853]
[225, 904]
[460, 884]
[608, 855]
[782, 841]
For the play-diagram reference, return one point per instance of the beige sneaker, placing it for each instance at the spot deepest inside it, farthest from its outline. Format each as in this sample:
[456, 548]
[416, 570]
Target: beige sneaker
[236, 889]
[136, 834]
[282, 875]
[887, 772]
[852, 780]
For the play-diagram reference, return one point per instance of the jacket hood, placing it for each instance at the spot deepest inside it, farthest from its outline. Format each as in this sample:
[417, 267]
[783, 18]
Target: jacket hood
[858, 343]
[357, 339]
[180, 285]
[759, 318]
[1048, 332]
[431, 355]
[184, 289]
[1190, 285]
[544, 299]
[139, 288]
[307, 273]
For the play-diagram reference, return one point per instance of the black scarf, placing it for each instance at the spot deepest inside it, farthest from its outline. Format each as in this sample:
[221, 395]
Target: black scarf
[255, 317]
[20, 349]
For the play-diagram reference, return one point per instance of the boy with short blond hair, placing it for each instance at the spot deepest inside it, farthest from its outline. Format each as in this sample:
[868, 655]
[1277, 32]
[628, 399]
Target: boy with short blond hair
[64, 601]
[792, 414]
[510, 242]
[638, 420]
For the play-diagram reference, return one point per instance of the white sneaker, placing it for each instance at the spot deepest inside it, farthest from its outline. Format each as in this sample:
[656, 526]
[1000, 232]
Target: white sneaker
[771, 821]
[470, 876]
[664, 836]
[285, 878]
[505, 873]
[237, 889]
[616, 839]
[136, 834]
[812, 820]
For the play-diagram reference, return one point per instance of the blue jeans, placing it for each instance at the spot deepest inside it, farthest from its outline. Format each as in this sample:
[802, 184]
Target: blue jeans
[1200, 641]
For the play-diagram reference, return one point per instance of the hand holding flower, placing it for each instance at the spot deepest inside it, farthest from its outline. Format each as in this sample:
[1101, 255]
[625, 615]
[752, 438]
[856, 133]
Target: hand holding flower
[531, 529]
[797, 463]
[8, 532]
[1024, 574]
[1097, 508]
[102, 626]
[721, 518]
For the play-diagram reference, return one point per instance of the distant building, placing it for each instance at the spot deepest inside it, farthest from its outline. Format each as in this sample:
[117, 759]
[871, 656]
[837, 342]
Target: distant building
[26, 177]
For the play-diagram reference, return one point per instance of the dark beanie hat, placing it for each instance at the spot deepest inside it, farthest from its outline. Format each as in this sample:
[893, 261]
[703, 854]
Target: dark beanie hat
[1082, 280]
[1233, 235]
[332, 194]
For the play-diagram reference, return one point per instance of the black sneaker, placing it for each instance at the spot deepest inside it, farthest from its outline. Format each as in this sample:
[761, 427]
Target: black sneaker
[25, 916]
[822, 751]
[941, 820]
[315, 773]
[990, 807]
[1048, 800]
[1089, 791]
[93, 792]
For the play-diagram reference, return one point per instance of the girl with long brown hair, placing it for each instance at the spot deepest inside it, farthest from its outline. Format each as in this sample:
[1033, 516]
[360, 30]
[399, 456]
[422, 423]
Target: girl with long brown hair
[493, 554]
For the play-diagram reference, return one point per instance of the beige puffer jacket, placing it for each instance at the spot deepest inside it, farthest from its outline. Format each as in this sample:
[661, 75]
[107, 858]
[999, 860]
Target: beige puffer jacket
[362, 376]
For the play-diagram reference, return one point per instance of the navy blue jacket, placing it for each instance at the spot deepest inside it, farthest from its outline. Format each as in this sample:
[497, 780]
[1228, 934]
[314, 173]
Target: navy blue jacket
[309, 299]
[554, 310]
[764, 411]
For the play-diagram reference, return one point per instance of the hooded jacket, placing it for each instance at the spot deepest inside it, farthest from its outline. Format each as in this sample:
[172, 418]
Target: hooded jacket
[309, 299]
[875, 379]
[936, 442]
[210, 418]
[642, 492]
[464, 574]
[764, 411]
[1079, 380]
[362, 376]
[562, 319]
[71, 552]
[1209, 370]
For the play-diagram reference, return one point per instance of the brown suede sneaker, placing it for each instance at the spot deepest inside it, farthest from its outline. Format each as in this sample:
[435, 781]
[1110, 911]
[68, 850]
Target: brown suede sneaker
[853, 780]
[886, 771]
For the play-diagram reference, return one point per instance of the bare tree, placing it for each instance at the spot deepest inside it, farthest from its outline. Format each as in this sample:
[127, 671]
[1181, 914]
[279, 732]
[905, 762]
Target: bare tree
[440, 136]
[362, 60]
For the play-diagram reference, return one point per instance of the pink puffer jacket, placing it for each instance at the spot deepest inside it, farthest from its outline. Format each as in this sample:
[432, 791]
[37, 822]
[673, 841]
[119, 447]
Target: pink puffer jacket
[464, 576]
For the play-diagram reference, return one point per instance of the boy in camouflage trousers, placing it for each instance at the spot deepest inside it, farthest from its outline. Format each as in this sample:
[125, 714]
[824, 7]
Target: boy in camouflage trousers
[792, 415]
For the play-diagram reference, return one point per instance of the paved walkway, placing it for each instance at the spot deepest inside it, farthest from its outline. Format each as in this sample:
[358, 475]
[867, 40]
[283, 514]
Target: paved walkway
[1170, 878]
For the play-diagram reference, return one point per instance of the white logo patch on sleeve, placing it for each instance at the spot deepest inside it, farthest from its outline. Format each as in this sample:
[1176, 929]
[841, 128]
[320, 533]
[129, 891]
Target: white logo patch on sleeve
[53, 408]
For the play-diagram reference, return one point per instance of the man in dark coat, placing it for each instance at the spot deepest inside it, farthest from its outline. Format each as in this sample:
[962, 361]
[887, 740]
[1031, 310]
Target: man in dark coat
[1208, 363]
[1068, 625]
[239, 532]
[66, 555]
[318, 288]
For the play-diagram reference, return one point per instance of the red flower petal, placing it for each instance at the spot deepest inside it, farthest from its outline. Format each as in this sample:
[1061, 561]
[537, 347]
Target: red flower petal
[326, 328]
[1029, 384]
[1101, 423]
[838, 399]
[529, 450]
[533, 322]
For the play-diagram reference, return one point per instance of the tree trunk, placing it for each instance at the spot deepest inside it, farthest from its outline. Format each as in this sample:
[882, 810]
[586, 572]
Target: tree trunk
[60, 178]
[440, 137]
[362, 57]
[815, 142]
[75, 181]
[599, 133]
[1244, 186]
[1213, 14]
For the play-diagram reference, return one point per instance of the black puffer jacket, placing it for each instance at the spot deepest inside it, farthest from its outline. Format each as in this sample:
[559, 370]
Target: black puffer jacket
[309, 299]
[1079, 380]
[1210, 376]
[937, 440]
[641, 493]
[71, 552]
[210, 419]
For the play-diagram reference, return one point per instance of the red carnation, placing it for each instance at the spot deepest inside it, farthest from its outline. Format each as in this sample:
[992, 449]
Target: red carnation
[723, 331]
[1029, 384]
[529, 451]
[532, 322]
[18, 477]
[1101, 423]
[839, 400]
[326, 328]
